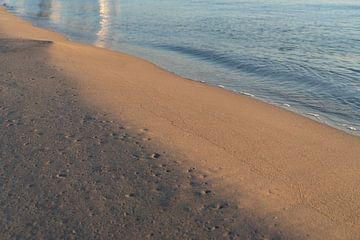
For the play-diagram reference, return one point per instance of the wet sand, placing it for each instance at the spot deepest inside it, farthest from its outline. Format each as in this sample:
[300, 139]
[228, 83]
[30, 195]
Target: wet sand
[97, 144]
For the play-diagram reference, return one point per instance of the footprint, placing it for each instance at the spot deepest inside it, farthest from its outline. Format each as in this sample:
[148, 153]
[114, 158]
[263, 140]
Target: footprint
[61, 175]
[216, 206]
[213, 228]
[155, 155]
[206, 192]
[130, 195]
[143, 130]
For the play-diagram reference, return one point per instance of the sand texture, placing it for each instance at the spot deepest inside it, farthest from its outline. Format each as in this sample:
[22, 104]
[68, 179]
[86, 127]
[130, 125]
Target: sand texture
[98, 145]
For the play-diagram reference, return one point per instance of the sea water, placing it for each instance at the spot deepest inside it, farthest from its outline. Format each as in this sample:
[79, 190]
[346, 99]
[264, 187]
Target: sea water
[301, 55]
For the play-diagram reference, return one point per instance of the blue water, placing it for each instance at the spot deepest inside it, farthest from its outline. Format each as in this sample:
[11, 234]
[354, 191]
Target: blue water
[302, 55]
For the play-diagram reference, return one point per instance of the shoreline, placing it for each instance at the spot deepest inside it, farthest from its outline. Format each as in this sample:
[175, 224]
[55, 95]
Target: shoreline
[314, 116]
[288, 169]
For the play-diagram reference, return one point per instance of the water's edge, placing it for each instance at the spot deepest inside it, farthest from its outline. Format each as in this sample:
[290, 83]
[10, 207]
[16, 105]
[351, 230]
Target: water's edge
[303, 112]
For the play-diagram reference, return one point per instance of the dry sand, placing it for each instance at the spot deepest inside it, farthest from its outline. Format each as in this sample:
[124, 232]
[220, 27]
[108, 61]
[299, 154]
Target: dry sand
[80, 127]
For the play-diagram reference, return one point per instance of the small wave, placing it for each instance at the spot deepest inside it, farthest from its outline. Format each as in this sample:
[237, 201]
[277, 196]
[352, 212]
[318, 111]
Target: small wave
[286, 105]
[247, 94]
[352, 128]
[354, 70]
[308, 76]
[317, 116]
[349, 127]
[286, 49]
[313, 114]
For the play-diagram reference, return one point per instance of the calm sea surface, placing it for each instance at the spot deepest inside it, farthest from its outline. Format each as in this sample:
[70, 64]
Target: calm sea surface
[302, 55]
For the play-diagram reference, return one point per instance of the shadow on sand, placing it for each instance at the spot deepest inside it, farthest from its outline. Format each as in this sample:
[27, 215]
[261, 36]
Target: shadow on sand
[68, 172]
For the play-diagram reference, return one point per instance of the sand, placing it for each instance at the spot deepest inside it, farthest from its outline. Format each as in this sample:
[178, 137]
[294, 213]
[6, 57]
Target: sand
[97, 144]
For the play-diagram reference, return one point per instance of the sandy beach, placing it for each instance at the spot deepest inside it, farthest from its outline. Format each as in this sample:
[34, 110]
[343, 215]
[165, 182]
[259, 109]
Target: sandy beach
[97, 144]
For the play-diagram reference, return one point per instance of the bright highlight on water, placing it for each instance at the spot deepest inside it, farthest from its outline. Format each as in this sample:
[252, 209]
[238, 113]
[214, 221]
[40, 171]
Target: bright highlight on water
[301, 55]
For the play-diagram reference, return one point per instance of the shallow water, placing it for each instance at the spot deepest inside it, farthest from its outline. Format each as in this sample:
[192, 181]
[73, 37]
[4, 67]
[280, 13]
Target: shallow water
[301, 55]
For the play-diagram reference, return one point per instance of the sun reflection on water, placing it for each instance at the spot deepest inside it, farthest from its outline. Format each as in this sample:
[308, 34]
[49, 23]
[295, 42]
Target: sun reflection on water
[104, 22]
[55, 15]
